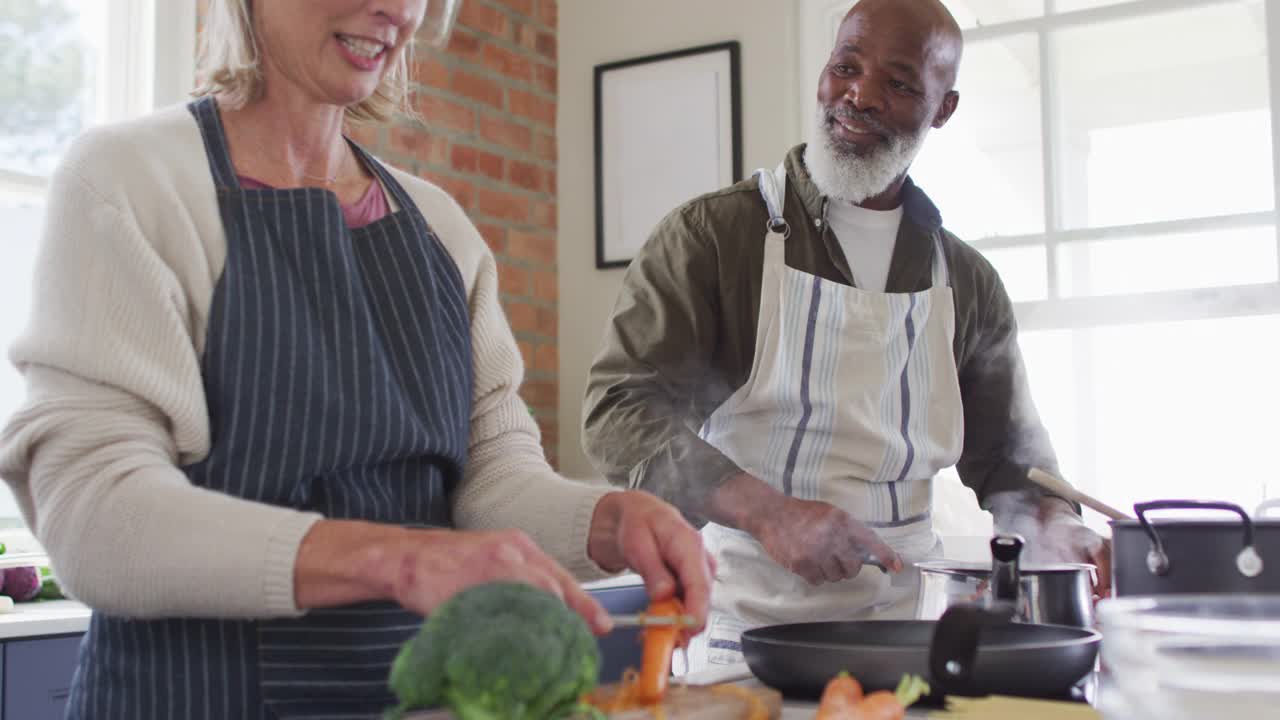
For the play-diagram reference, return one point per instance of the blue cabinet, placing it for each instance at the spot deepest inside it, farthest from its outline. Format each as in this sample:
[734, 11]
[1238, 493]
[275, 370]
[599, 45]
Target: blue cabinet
[621, 648]
[37, 677]
[37, 672]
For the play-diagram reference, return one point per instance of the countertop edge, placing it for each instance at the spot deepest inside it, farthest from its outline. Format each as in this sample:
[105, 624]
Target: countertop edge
[46, 617]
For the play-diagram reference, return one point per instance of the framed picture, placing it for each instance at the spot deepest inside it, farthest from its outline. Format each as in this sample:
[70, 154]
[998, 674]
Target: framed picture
[667, 128]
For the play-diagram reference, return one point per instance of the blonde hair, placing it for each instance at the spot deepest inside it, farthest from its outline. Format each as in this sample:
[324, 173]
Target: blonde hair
[229, 64]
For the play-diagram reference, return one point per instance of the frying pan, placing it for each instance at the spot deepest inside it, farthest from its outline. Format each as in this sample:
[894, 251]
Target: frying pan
[969, 651]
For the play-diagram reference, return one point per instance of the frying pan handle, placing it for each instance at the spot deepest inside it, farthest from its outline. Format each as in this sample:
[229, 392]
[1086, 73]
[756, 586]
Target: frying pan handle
[953, 653]
[1248, 562]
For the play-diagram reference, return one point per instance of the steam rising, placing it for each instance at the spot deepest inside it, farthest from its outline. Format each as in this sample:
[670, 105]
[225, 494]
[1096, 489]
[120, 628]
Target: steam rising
[1055, 537]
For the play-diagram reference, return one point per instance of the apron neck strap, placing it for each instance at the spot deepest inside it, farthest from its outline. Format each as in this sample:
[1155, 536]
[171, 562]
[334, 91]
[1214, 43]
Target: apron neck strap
[941, 269]
[207, 118]
[389, 183]
[773, 188]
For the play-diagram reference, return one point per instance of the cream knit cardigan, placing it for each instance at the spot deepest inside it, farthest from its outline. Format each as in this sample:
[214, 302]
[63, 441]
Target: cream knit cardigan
[132, 250]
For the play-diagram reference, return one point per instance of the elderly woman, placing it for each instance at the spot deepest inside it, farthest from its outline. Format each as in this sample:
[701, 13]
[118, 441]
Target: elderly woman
[272, 416]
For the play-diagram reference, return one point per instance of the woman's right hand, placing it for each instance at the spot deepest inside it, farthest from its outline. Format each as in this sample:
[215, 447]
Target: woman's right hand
[436, 564]
[342, 562]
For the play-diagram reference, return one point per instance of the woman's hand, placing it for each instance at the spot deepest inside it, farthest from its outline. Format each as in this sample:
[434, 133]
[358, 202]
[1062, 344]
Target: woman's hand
[342, 562]
[636, 530]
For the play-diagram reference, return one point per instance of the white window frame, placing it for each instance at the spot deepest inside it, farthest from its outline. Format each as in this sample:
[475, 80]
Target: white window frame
[816, 31]
[149, 62]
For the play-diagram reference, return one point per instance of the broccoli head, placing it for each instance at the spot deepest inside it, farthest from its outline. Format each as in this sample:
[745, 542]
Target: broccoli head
[500, 651]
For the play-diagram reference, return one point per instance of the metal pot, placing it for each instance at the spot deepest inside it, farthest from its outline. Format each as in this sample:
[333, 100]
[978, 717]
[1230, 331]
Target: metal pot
[1196, 556]
[1057, 594]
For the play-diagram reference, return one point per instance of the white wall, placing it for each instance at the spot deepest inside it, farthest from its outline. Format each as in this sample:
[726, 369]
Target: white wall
[598, 31]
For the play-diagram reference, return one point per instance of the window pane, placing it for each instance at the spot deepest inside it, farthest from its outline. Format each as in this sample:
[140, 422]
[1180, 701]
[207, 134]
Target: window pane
[1168, 410]
[49, 50]
[977, 13]
[1168, 262]
[21, 216]
[984, 169]
[1154, 127]
[1023, 271]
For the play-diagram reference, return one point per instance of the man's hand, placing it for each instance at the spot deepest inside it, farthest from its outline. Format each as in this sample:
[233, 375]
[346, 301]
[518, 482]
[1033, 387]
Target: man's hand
[639, 531]
[1065, 538]
[820, 542]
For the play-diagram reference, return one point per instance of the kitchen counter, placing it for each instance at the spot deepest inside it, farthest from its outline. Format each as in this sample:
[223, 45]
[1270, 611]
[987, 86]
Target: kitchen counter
[46, 617]
[740, 674]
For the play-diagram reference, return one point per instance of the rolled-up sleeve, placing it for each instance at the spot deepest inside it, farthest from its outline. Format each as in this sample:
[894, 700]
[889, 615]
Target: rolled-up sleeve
[1004, 436]
[647, 390]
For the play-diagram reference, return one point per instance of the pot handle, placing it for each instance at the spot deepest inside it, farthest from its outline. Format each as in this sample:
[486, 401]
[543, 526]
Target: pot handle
[1006, 583]
[1248, 561]
[953, 652]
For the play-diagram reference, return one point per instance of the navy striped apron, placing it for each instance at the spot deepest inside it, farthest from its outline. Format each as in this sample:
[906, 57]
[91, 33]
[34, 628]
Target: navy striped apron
[337, 371]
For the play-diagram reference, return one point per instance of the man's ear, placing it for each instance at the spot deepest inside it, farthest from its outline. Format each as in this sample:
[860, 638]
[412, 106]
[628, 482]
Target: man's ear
[950, 102]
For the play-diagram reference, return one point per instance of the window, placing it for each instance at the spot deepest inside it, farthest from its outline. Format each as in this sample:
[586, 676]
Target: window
[1115, 160]
[66, 65]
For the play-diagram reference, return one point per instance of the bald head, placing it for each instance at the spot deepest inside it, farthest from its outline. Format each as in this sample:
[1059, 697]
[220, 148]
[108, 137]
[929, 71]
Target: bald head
[889, 81]
[926, 24]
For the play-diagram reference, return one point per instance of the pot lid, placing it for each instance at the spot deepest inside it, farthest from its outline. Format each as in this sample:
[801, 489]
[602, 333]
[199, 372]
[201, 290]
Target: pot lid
[955, 567]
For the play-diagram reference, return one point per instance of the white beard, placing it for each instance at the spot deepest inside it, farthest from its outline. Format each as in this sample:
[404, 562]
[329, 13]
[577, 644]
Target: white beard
[842, 174]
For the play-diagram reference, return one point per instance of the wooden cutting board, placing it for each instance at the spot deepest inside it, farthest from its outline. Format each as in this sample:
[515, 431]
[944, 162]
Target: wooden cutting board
[695, 702]
[997, 707]
[707, 702]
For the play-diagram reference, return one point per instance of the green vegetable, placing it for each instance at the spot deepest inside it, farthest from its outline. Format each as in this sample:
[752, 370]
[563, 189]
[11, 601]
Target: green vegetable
[49, 590]
[910, 689]
[501, 651]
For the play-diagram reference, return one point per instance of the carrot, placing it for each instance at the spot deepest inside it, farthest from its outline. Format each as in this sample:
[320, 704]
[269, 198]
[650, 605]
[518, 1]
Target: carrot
[839, 698]
[659, 644]
[881, 705]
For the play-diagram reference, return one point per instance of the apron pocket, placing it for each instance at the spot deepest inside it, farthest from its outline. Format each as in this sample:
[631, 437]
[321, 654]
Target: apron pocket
[332, 661]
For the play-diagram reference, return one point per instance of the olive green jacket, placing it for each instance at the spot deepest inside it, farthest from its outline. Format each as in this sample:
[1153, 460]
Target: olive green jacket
[682, 339]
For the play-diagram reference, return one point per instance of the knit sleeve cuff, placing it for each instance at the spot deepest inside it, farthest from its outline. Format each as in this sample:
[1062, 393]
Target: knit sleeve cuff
[579, 562]
[280, 561]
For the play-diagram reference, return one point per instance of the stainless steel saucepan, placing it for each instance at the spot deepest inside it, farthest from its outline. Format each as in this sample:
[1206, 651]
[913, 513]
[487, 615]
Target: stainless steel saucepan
[1052, 594]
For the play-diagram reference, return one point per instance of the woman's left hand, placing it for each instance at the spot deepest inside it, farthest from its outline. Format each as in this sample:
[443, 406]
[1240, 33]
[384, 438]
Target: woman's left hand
[636, 530]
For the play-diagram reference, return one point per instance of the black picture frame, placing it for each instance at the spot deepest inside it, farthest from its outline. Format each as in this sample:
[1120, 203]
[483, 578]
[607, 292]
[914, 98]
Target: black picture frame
[611, 250]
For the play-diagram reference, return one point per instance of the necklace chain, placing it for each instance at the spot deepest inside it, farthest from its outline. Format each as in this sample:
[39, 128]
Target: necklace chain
[308, 176]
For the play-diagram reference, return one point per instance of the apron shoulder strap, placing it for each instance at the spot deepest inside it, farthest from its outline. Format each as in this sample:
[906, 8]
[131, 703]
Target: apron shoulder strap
[205, 111]
[941, 269]
[773, 188]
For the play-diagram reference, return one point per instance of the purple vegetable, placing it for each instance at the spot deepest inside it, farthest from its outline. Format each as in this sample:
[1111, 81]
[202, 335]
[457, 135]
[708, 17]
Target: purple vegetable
[22, 583]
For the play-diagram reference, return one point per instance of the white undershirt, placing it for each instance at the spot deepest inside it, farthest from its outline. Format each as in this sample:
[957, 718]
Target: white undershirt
[867, 238]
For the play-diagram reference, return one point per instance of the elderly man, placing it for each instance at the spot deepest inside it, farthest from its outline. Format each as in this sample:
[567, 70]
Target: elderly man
[794, 358]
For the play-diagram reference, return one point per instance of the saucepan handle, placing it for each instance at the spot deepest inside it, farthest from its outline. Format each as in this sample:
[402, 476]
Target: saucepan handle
[1006, 580]
[1248, 562]
[953, 652]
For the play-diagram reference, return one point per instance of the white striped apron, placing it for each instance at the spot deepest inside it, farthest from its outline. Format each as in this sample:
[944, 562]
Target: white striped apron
[853, 399]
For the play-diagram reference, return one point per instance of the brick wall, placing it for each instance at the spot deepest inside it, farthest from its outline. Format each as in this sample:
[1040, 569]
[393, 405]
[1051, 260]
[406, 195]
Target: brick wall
[489, 138]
